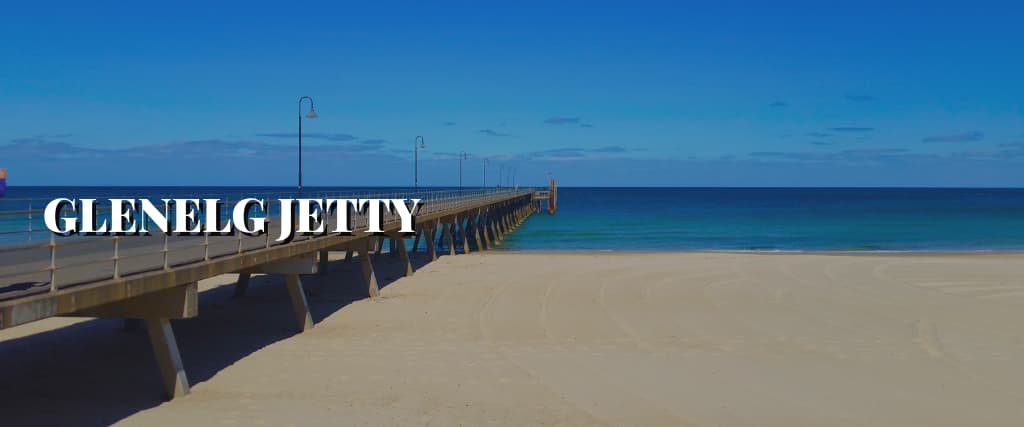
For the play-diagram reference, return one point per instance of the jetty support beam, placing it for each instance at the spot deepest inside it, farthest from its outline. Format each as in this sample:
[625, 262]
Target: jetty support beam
[291, 268]
[429, 241]
[475, 229]
[465, 233]
[303, 318]
[364, 262]
[403, 252]
[481, 226]
[416, 241]
[322, 267]
[157, 309]
[168, 359]
[179, 302]
[242, 285]
[448, 236]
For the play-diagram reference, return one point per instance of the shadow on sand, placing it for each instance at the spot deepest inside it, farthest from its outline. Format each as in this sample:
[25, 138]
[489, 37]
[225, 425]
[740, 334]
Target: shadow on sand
[95, 373]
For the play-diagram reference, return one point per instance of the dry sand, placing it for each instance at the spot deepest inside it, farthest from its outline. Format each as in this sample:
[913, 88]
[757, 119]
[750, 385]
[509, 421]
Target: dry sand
[571, 339]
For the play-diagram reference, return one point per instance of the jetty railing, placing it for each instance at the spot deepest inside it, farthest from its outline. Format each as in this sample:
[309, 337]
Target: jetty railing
[33, 264]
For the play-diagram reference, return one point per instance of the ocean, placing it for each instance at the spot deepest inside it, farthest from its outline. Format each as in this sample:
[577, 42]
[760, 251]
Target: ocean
[745, 219]
[778, 219]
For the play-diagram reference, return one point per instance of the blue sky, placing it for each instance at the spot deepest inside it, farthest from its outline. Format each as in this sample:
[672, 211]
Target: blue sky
[798, 94]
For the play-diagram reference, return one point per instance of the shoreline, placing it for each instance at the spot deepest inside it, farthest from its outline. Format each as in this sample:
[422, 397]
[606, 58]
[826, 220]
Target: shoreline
[503, 250]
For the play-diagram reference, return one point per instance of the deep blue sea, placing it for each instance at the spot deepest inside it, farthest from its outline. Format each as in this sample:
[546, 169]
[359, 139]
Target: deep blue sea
[768, 219]
[813, 219]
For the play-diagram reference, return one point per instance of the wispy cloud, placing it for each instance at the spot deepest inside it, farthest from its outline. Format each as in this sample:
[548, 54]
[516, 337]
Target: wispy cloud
[769, 154]
[845, 156]
[492, 132]
[818, 134]
[336, 137]
[559, 153]
[586, 125]
[1006, 152]
[373, 141]
[448, 123]
[778, 104]
[28, 140]
[444, 154]
[876, 151]
[576, 152]
[852, 129]
[822, 143]
[860, 98]
[562, 120]
[609, 149]
[190, 149]
[41, 138]
[37, 148]
[956, 137]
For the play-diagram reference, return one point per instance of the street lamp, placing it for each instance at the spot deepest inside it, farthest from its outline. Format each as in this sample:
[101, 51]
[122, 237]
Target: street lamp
[485, 174]
[501, 173]
[416, 145]
[312, 115]
[462, 156]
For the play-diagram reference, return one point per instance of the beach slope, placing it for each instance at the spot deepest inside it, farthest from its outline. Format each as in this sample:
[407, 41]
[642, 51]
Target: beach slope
[646, 339]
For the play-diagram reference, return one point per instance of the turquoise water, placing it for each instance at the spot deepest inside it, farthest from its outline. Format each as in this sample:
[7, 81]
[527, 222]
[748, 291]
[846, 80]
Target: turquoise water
[866, 219]
[841, 219]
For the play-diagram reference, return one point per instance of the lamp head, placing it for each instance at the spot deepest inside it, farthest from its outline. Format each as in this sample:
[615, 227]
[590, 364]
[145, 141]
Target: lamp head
[312, 113]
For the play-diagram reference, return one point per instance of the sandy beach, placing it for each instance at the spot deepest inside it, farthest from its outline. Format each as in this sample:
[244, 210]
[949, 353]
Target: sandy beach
[700, 339]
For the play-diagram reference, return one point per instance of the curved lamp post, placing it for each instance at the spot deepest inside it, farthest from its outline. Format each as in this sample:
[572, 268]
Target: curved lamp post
[462, 156]
[417, 144]
[311, 115]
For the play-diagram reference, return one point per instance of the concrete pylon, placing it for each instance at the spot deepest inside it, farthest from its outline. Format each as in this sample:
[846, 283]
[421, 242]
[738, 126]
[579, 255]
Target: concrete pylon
[481, 228]
[429, 241]
[403, 254]
[168, 359]
[476, 232]
[368, 274]
[303, 319]
[416, 241]
[242, 285]
[322, 266]
[495, 230]
[465, 235]
[448, 236]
